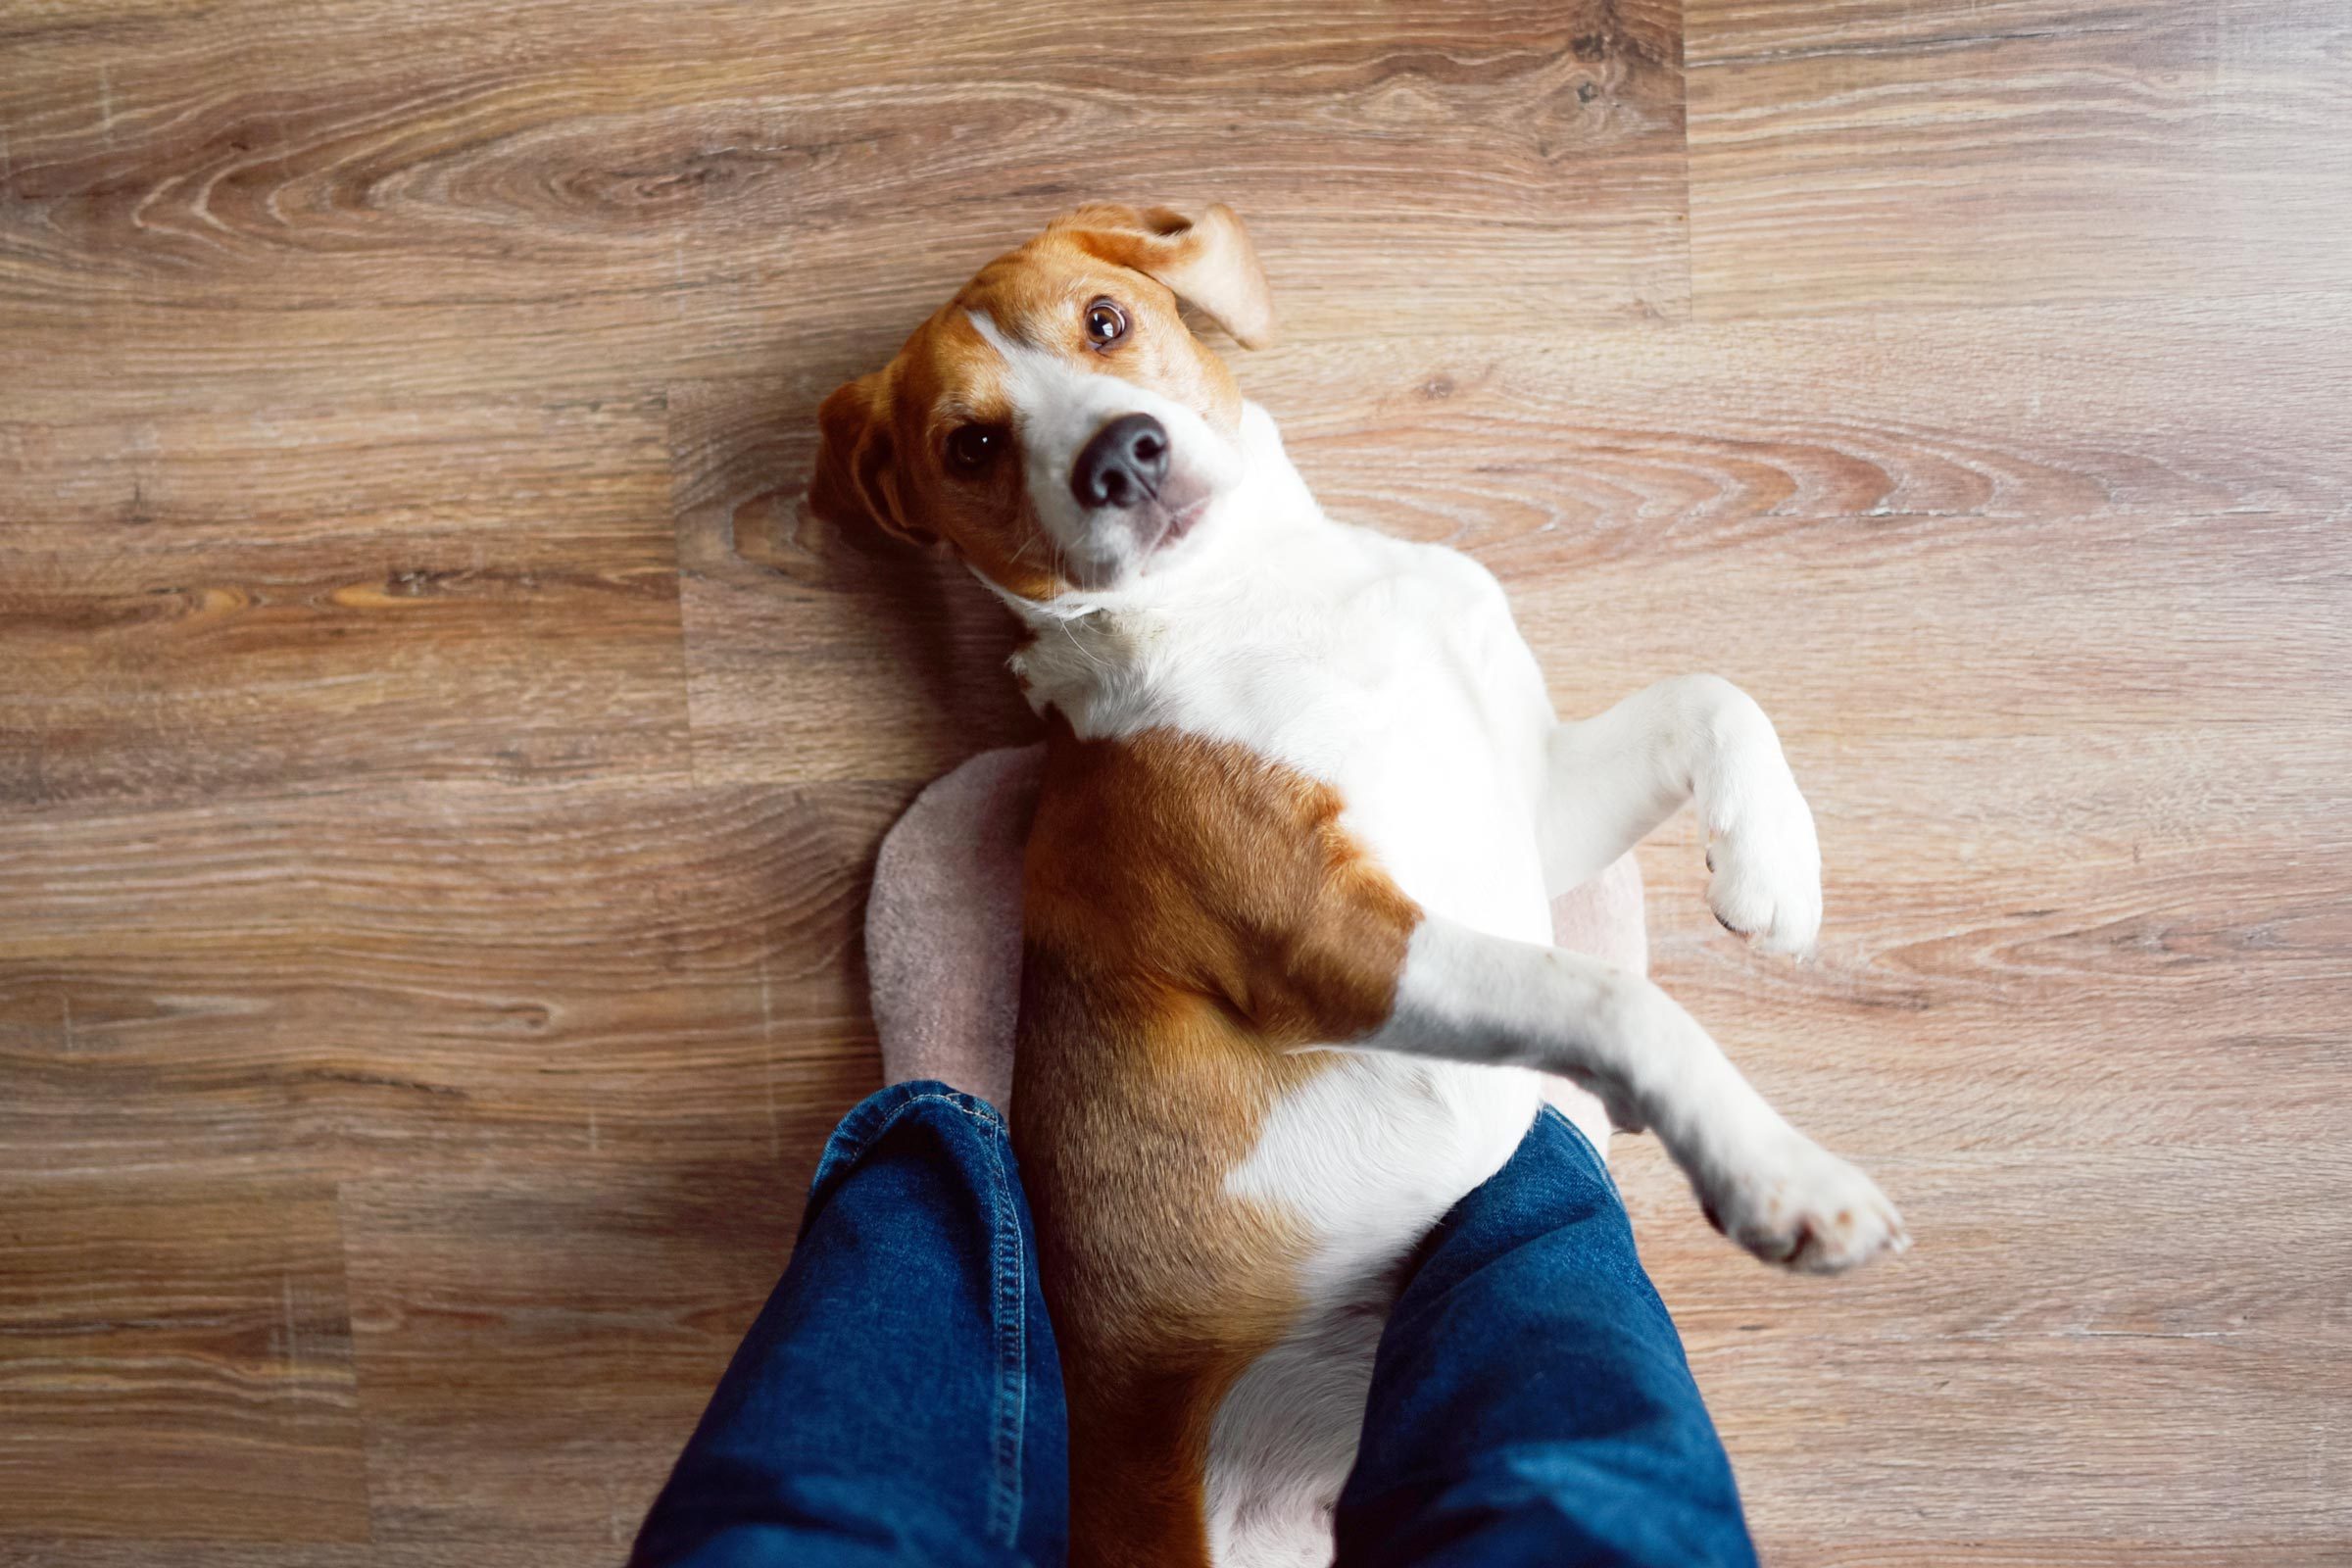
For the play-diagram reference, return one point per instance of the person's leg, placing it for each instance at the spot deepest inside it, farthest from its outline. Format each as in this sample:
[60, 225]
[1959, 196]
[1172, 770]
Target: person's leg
[1531, 1402]
[899, 1400]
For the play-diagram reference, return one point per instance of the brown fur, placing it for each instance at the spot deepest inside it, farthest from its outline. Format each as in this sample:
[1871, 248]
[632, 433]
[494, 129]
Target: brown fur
[1192, 911]
[884, 436]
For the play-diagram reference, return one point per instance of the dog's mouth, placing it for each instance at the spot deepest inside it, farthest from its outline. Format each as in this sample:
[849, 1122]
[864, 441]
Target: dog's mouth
[1145, 537]
[1175, 523]
[1173, 515]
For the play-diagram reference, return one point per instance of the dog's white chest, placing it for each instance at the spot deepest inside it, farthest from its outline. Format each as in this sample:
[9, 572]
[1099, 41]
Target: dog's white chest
[1392, 671]
[1442, 777]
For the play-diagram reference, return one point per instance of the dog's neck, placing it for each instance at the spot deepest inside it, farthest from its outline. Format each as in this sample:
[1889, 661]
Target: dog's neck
[1106, 648]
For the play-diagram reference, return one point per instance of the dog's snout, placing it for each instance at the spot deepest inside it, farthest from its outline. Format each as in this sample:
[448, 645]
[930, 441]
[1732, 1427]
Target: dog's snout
[1123, 464]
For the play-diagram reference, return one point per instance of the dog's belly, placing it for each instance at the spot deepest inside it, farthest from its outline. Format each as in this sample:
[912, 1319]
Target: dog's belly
[1440, 774]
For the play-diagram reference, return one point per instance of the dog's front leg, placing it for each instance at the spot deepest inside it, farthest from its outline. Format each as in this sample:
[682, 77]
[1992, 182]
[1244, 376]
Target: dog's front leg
[1614, 778]
[1465, 996]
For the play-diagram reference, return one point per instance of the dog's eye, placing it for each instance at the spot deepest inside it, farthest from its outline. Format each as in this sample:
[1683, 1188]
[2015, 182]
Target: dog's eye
[973, 447]
[1105, 323]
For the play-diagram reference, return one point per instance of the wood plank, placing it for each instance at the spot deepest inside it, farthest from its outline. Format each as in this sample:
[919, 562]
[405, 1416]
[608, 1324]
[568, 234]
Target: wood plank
[548, 982]
[273, 196]
[2067, 1552]
[1858, 154]
[176, 1360]
[1628, 445]
[2099, 1392]
[1932, 1018]
[535, 1353]
[200, 602]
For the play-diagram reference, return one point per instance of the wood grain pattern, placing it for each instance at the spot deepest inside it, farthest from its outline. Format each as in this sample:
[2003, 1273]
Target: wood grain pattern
[440, 761]
[2064, 1292]
[176, 1360]
[534, 1353]
[1668, 438]
[1813, 459]
[443, 977]
[578, 198]
[1850, 155]
[199, 601]
[45, 1551]
[571, 1052]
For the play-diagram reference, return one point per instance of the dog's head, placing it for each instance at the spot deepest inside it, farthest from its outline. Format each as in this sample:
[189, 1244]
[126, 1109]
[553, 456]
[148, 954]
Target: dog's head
[1056, 422]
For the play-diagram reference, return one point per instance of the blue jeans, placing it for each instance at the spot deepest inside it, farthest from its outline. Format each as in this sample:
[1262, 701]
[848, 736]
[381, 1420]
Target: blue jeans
[899, 1400]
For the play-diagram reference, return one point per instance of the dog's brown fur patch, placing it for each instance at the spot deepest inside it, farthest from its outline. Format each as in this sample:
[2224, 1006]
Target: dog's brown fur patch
[1194, 914]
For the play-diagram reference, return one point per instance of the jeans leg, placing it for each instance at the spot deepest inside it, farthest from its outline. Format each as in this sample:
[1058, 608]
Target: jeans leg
[1530, 1401]
[899, 1400]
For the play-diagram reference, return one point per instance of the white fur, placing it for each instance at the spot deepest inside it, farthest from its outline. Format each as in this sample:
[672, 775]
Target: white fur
[1393, 672]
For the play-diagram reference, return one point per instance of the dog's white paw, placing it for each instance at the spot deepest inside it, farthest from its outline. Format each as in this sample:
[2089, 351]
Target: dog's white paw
[1802, 1207]
[1766, 865]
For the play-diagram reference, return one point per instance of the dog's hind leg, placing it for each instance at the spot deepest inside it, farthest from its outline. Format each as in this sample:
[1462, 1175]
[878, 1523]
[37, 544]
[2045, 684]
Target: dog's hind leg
[1612, 778]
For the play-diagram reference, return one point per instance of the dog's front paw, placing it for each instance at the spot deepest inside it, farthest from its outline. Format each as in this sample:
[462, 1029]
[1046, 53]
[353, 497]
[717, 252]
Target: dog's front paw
[1766, 865]
[1802, 1207]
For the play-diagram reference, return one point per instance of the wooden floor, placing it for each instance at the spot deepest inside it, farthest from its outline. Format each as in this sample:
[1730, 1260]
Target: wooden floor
[441, 769]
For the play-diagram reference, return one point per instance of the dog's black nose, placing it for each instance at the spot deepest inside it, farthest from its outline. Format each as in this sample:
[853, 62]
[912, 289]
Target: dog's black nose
[1123, 464]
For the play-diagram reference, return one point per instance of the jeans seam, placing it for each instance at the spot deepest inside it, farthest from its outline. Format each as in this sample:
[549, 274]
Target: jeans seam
[1013, 1337]
[1007, 1281]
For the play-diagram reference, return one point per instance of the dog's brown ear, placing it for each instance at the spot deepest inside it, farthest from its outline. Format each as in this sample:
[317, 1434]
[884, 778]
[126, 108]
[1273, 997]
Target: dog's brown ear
[1207, 260]
[852, 484]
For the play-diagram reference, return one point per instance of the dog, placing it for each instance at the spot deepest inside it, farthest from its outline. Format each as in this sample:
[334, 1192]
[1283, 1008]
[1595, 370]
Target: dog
[1288, 981]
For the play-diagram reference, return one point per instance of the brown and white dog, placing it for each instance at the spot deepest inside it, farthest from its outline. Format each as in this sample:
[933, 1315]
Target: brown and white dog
[1286, 929]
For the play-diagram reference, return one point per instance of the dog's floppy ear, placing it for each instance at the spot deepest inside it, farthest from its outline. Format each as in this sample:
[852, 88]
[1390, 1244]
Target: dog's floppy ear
[1207, 260]
[852, 483]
